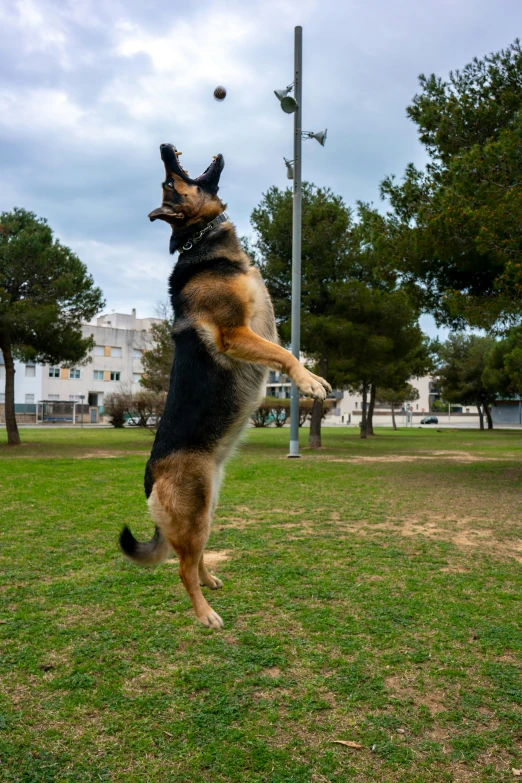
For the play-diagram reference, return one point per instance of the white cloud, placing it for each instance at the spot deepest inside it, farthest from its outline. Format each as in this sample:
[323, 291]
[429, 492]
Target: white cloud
[91, 87]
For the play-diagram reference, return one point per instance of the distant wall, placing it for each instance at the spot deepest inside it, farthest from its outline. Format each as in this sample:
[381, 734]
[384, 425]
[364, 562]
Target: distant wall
[508, 412]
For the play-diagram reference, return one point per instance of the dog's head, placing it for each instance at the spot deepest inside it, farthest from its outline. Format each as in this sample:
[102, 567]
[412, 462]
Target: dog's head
[185, 201]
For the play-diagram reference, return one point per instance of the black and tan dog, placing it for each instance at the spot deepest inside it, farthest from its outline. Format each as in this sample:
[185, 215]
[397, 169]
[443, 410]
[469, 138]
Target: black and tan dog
[225, 339]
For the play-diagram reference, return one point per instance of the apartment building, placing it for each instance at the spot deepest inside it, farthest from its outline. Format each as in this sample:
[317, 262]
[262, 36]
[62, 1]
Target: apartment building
[120, 340]
[348, 405]
[278, 385]
[28, 384]
[351, 404]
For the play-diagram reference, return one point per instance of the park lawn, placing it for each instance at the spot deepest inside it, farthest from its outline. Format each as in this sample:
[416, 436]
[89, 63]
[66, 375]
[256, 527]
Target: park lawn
[372, 595]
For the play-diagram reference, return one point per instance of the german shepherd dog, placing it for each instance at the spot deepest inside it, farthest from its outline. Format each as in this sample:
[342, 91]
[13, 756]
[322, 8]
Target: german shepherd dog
[225, 339]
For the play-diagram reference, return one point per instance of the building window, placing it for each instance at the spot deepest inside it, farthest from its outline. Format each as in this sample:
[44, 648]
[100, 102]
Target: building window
[74, 398]
[54, 397]
[116, 353]
[2, 371]
[74, 374]
[115, 376]
[99, 350]
[30, 371]
[417, 407]
[98, 375]
[54, 372]
[136, 353]
[29, 399]
[2, 397]
[356, 404]
[136, 378]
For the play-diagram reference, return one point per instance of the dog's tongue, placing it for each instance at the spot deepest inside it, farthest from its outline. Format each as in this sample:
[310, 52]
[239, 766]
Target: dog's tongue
[155, 214]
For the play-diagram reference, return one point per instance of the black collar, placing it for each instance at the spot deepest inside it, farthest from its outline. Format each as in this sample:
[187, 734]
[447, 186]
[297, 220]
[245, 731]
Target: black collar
[197, 236]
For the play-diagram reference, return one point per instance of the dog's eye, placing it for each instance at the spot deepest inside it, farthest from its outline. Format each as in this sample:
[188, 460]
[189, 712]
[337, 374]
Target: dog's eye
[169, 183]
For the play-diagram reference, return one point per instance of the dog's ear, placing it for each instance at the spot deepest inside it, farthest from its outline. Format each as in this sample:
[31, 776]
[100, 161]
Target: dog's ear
[209, 180]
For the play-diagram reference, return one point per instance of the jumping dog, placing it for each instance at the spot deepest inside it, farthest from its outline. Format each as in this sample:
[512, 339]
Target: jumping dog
[225, 339]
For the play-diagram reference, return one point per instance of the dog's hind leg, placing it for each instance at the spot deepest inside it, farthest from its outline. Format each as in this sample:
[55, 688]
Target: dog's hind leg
[190, 557]
[205, 577]
[180, 502]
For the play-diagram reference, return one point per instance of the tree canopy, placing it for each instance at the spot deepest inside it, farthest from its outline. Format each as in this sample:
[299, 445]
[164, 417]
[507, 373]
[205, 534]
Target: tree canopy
[456, 225]
[157, 360]
[45, 295]
[357, 322]
[462, 373]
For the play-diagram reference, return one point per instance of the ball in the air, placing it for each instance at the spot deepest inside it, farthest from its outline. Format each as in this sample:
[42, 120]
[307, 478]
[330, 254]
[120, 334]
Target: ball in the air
[220, 93]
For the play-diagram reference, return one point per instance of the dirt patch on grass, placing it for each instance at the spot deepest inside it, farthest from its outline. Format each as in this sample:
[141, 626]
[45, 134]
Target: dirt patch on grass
[105, 454]
[273, 672]
[236, 523]
[76, 614]
[406, 688]
[454, 456]
[212, 558]
[70, 452]
[461, 532]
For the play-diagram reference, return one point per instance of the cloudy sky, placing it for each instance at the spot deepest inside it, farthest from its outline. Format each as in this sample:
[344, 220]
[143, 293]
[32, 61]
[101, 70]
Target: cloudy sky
[90, 88]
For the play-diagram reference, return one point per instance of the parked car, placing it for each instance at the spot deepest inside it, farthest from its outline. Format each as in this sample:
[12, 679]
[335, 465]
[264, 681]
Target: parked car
[429, 420]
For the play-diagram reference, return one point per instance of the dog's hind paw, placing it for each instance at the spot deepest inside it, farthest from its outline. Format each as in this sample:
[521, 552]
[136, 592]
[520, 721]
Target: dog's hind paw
[211, 620]
[213, 582]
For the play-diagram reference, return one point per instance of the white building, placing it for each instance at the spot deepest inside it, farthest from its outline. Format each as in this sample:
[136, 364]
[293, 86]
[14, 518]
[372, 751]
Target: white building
[28, 385]
[350, 406]
[115, 360]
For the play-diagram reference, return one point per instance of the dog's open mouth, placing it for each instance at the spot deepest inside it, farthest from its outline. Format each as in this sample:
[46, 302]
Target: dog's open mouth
[209, 168]
[170, 157]
[175, 194]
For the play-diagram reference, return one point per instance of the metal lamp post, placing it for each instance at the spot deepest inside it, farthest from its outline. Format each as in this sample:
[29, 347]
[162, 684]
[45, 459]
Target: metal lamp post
[82, 397]
[296, 240]
[294, 106]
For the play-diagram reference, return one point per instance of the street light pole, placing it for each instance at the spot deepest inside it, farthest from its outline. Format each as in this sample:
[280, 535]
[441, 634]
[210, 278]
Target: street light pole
[296, 239]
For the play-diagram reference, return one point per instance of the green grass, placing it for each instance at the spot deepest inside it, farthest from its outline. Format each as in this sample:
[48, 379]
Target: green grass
[372, 594]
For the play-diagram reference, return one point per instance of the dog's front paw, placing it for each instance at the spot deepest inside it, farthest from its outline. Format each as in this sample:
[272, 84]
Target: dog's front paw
[312, 386]
[322, 382]
[211, 620]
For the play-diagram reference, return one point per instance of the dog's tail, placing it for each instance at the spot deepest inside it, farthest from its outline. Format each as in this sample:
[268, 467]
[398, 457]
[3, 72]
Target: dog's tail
[147, 553]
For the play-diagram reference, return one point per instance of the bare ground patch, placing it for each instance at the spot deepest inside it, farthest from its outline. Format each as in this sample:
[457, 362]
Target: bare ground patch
[71, 453]
[454, 456]
[460, 532]
[212, 558]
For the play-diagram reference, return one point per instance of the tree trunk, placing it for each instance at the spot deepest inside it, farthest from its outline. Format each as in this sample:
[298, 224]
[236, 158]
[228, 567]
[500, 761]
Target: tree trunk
[373, 391]
[364, 420]
[487, 411]
[481, 415]
[393, 417]
[13, 437]
[314, 438]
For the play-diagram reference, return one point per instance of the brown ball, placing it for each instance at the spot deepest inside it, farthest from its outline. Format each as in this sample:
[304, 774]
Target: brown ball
[220, 93]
